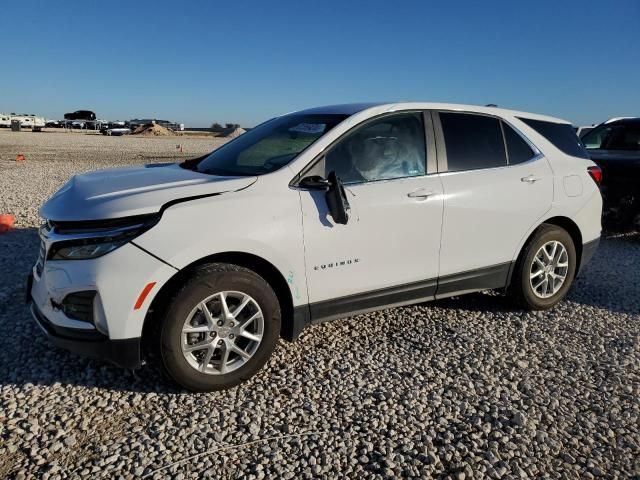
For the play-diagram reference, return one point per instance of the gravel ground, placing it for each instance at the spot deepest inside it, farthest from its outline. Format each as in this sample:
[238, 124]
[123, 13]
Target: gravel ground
[464, 388]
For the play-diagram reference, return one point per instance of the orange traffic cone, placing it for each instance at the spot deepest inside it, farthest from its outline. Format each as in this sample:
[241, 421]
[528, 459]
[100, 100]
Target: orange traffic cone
[6, 222]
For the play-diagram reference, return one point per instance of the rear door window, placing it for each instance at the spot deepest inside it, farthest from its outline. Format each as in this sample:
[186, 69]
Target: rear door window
[561, 135]
[472, 141]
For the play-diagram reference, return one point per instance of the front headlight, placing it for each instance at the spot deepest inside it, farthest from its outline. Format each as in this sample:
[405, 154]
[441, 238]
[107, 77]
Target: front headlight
[86, 240]
[83, 252]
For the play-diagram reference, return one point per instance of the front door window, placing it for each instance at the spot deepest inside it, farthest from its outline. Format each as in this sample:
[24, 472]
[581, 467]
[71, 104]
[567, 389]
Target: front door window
[383, 149]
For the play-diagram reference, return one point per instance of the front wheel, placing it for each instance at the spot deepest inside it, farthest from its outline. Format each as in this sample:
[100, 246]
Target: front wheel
[545, 270]
[220, 328]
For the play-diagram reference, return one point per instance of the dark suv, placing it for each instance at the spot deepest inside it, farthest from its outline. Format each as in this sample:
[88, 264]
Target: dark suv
[615, 147]
[80, 115]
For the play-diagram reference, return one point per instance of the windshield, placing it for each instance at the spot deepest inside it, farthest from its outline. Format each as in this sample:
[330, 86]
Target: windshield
[269, 146]
[621, 136]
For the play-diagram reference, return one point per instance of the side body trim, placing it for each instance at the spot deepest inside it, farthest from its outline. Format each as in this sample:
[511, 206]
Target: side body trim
[495, 276]
[366, 302]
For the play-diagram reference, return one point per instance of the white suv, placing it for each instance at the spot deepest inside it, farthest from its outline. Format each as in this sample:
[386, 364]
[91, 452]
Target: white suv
[308, 217]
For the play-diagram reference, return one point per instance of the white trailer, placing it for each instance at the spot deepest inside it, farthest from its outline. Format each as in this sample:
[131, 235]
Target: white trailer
[31, 121]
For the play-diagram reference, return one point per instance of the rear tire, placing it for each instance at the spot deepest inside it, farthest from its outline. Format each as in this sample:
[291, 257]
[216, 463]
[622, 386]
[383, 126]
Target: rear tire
[203, 346]
[545, 269]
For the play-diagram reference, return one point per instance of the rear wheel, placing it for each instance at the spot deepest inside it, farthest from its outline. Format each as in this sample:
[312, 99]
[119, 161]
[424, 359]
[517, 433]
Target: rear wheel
[545, 270]
[220, 328]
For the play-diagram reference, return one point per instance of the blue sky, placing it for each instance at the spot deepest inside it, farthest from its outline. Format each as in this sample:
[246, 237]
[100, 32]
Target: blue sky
[238, 61]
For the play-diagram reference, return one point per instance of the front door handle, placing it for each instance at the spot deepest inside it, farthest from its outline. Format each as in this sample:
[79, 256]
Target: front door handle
[530, 179]
[420, 193]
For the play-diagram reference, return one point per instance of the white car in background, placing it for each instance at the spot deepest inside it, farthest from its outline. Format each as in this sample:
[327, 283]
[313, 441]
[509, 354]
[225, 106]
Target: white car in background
[115, 130]
[312, 216]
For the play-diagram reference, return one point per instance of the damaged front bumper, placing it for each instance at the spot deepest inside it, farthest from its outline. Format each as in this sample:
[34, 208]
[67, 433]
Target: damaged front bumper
[124, 353]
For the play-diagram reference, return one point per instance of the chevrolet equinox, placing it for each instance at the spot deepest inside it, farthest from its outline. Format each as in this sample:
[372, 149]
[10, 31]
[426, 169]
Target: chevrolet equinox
[308, 217]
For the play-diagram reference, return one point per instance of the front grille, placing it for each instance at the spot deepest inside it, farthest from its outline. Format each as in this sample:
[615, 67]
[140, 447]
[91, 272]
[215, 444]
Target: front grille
[79, 305]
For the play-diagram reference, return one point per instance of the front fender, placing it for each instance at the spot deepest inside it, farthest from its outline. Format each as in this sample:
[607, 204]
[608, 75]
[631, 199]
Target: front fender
[266, 226]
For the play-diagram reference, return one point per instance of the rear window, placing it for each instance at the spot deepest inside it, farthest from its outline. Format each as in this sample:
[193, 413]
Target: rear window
[560, 134]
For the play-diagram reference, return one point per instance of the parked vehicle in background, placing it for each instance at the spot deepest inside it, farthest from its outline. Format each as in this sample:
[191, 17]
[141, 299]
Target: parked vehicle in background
[29, 121]
[80, 115]
[615, 147]
[312, 216]
[115, 130]
[5, 120]
[580, 131]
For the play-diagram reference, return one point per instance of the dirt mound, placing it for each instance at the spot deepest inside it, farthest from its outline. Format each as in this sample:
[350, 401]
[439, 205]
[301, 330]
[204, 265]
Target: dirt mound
[236, 132]
[153, 130]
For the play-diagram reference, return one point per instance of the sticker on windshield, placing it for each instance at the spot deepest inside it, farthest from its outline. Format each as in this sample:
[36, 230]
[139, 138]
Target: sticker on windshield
[309, 128]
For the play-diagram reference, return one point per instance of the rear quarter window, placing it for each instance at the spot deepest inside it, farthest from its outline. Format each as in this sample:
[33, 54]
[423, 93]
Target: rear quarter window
[518, 150]
[560, 134]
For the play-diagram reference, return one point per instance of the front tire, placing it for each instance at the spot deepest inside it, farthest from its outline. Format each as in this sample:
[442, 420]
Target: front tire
[545, 270]
[220, 328]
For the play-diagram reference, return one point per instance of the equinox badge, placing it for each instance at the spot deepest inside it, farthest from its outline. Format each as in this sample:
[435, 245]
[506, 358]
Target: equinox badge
[340, 263]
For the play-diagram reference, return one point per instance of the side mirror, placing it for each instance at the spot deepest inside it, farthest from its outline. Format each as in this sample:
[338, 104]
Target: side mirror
[315, 182]
[337, 200]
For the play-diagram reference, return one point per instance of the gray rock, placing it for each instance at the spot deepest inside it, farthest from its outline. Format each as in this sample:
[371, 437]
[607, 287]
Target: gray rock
[519, 419]
[254, 429]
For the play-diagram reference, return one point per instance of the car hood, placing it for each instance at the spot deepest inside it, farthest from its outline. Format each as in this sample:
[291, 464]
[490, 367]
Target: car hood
[123, 192]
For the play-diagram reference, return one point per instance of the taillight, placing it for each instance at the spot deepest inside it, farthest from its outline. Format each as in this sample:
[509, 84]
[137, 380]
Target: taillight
[596, 174]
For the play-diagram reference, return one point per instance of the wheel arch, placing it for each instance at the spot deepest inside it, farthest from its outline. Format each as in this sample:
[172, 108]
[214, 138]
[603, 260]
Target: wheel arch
[257, 264]
[566, 224]
[574, 231]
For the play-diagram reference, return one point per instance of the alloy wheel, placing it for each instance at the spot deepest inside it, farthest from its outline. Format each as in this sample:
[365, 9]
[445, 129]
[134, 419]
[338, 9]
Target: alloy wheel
[549, 269]
[222, 333]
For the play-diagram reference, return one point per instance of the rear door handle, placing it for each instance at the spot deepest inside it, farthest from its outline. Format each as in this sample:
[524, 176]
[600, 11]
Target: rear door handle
[530, 179]
[420, 193]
